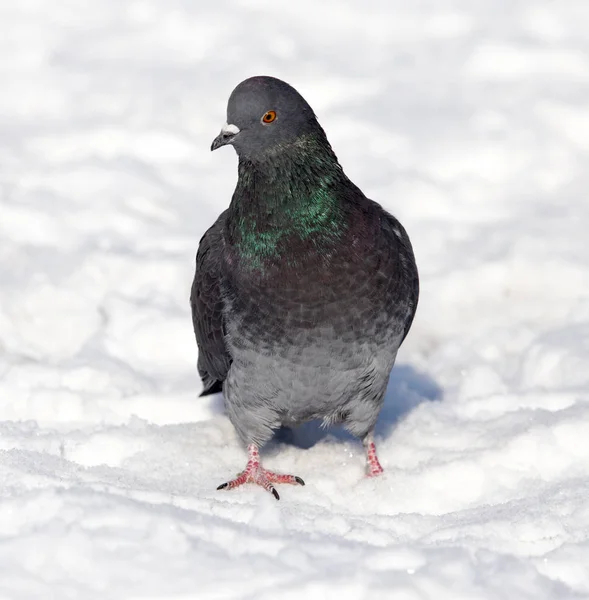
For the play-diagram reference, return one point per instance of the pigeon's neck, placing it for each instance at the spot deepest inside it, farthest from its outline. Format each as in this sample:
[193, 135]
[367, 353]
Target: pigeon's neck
[287, 204]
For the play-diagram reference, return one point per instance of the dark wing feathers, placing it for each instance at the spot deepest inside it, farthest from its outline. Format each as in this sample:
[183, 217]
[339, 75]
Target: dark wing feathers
[398, 238]
[207, 310]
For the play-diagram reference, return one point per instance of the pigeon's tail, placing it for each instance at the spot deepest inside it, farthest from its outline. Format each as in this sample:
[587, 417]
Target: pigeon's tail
[211, 386]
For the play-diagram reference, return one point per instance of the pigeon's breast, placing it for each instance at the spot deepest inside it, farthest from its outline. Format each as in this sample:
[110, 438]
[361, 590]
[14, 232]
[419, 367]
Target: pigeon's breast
[314, 335]
[323, 300]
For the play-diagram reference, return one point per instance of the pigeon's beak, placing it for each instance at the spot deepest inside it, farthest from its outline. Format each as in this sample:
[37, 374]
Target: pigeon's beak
[228, 132]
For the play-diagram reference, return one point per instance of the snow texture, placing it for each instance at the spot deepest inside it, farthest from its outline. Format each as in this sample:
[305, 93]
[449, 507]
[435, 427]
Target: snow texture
[466, 118]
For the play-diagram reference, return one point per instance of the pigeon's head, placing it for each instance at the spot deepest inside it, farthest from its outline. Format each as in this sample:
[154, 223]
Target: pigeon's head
[265, 114]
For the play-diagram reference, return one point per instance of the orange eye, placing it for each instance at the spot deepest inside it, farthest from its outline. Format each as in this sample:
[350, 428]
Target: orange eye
[269, 116]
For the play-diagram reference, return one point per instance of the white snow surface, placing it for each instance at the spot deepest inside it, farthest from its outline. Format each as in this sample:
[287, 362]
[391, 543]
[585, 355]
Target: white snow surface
[468, 120]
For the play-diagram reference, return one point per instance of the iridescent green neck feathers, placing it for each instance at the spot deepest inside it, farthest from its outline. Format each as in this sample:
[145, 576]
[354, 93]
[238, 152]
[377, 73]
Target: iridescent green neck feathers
[287, 205]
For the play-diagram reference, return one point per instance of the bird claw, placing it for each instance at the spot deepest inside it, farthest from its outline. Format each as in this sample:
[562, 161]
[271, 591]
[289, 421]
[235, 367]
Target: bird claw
[261, 477]
[255, 473]
[373, 466]
[374, 470]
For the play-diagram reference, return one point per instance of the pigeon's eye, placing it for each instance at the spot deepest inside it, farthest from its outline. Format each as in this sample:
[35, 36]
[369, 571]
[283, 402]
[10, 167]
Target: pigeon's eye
[269, 117]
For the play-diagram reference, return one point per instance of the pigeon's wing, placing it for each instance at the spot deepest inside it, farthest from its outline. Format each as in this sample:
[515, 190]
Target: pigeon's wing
[207, 310]
[397, 238]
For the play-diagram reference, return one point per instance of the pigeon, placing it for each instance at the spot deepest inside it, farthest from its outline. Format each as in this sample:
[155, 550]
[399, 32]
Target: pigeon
[304, 288]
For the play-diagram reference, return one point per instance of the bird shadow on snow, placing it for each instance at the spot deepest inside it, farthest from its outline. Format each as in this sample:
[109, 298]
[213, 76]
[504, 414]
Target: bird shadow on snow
[407, 389]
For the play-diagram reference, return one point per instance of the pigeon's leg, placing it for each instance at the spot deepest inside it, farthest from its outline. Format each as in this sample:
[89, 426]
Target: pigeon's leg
[255, 473]
[373, 466]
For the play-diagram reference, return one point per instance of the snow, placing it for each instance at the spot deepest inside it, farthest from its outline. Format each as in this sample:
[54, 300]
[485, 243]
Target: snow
[465, 118]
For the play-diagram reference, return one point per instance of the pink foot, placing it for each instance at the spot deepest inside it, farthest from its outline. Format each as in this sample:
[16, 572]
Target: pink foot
[255, 473]
[373, 466]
